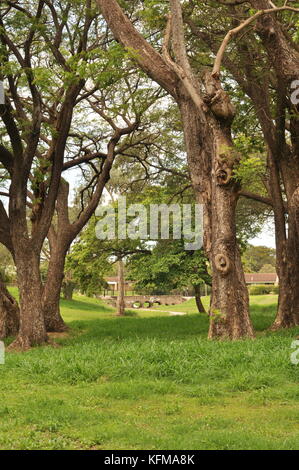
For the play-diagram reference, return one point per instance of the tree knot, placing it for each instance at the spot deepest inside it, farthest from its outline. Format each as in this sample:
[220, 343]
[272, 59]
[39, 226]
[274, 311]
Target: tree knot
[222, 263]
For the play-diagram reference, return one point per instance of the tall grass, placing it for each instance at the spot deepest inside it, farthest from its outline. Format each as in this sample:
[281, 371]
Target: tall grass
[152, 381]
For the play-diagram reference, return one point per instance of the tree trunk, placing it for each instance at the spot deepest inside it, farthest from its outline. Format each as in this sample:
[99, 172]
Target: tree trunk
[198, 301]
[229, 309]
[59, 241]
[209, 151]
[9, 313]
[288, 272]
[283, 162]
[68, 290]
[283, 62]
[32, 329]
[284, 57]
[120, 305]
[52, 289]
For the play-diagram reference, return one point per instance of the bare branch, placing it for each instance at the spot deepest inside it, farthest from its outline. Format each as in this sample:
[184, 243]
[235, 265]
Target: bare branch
[182, 68]
[233, 32]
[85, 159]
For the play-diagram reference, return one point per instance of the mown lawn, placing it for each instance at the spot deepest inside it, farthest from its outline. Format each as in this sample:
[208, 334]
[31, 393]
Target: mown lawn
[152, 381]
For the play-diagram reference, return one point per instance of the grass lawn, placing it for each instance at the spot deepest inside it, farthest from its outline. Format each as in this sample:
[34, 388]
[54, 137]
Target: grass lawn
[152, 381]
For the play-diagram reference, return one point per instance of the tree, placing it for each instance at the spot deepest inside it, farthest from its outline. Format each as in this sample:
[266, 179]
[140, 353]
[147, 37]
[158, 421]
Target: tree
[207, 123]
[122, 109]
[267, 268]
[167, 267]
[61, 238]
[264, 62]
[7, 269]
[256, 257]
[33, 141]
[88, 268]
[120, 304]
[91, 259]
[41, 140]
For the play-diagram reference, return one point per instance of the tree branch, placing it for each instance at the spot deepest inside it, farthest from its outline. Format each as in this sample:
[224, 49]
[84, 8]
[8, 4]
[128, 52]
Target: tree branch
[259, 198]
[5, 237]
[182, 68]
[78, 161]
[147, 57]
[233, 32]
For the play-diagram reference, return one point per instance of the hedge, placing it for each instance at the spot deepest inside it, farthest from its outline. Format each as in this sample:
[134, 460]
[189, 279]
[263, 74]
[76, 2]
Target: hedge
[263, 289]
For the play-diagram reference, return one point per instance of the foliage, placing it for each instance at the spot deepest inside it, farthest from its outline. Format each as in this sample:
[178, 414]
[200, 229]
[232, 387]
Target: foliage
[85, 267]
[7, 269]
[251, 218]
[255, 257]
[261, 289]
[91, 259]
[275, 290]
[169, 267]
[267, 268]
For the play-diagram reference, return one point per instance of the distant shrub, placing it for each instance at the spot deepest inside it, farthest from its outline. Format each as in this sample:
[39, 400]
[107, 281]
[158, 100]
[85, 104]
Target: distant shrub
[131, 313]
[261, 289]
[275, 290]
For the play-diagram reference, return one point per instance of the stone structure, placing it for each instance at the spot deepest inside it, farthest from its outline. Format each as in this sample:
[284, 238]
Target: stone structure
[147, 301]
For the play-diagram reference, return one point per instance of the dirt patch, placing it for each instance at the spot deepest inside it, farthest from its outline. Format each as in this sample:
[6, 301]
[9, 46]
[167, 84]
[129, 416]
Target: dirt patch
[172, 314]
[62, 335]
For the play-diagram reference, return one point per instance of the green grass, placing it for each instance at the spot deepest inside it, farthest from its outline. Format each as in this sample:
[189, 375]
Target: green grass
[152, 381]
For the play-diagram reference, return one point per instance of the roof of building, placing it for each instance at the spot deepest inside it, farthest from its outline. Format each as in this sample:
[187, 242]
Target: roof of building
[260, 278]
[250, 278]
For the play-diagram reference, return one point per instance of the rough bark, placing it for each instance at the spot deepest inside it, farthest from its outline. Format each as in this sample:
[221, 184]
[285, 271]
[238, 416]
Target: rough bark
[52, 288]
[284, 172]
[210, 152]
[9, 313]
[149, 59]
[59, 241]
[23, 124]
[283, 56]
[229, 301]
[32, 329]
[287, 262]
[27, 241]
[288, 272]
[120, 304]
[282, 52]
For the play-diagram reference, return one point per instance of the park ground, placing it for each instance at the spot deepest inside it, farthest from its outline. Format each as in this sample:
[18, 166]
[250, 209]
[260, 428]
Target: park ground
[152, 381]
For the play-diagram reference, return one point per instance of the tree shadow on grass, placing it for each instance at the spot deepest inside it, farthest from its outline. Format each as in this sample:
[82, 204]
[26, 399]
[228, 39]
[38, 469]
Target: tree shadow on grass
[168, 328]
[262, 316]
[118, 329]
[83, 305]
